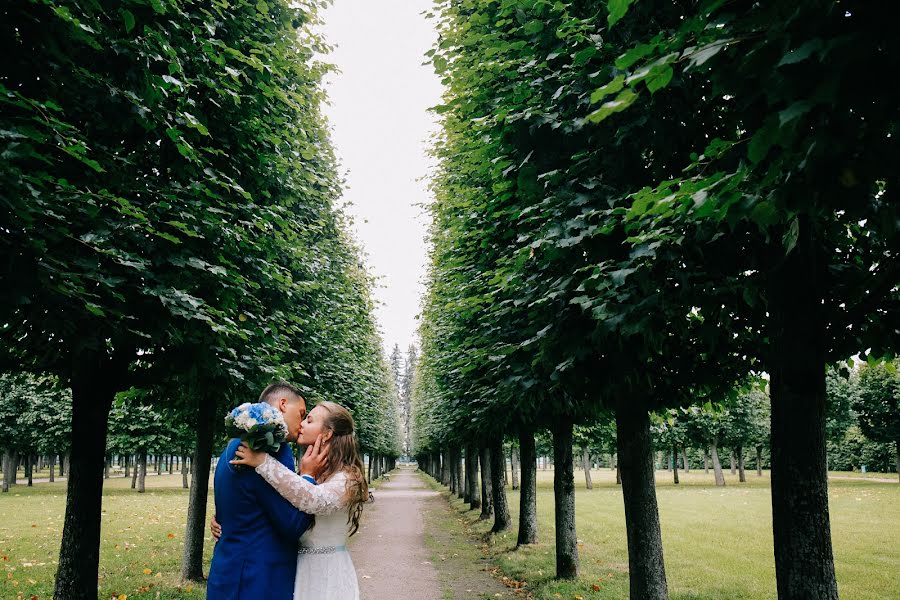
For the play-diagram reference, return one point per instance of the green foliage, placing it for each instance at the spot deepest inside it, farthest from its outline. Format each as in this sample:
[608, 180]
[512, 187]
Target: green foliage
[748, 423]
[853, 449]
[137, 425]
[171, 193]
[877, 404]
[35, 414]
[599, 437]
[840, 394]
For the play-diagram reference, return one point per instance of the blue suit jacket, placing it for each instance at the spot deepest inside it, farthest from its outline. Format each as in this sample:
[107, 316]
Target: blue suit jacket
[256, 556]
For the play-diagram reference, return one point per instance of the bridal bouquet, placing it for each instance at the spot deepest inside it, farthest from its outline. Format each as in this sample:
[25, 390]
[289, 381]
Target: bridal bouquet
[260, 425]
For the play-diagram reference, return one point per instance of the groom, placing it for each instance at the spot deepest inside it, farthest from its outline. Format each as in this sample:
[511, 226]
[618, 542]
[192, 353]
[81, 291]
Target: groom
[256, 555]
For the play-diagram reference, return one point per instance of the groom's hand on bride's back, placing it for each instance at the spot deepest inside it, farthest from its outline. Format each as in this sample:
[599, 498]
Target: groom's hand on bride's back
[315, 459]
[215, 528]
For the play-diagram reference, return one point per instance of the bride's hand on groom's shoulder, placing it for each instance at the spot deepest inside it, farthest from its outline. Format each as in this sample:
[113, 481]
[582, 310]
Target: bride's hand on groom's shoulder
[315, 459]
[245, 456]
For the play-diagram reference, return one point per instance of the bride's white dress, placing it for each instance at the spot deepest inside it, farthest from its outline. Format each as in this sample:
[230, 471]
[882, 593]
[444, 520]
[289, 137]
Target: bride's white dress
[324, 568]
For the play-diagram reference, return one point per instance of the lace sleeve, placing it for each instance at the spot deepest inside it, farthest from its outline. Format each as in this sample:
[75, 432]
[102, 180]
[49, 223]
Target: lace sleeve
[322, 499]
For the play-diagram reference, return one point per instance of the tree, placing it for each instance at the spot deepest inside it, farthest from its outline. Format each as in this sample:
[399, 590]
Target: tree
[136, 427]
[815, 226]
[15, 391]
[748, 425]
[669, 434]
[840, 393]
[180, 230]
[877, 404]
[706, 426]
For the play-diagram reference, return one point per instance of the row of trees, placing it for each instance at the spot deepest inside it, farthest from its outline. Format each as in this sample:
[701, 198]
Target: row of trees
[171, 231]
[403, 370]
[637, 204]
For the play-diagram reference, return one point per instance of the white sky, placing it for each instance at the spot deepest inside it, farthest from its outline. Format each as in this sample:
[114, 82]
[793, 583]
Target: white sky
[380, 127]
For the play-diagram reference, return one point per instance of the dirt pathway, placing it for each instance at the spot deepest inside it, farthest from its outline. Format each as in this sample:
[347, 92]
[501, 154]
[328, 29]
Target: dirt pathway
[408, 547]
[389, 551]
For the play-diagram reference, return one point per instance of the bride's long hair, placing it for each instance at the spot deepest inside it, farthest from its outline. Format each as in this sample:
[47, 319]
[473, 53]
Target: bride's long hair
[343, 455]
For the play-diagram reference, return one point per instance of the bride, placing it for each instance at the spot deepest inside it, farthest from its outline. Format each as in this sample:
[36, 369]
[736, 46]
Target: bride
[324, 568]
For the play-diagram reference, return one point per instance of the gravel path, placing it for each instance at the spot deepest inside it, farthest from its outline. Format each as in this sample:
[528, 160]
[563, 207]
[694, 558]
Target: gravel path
[389, 550]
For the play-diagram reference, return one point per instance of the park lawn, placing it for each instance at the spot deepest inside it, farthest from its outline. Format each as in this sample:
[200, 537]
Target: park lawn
[717, 541]
[142, 539]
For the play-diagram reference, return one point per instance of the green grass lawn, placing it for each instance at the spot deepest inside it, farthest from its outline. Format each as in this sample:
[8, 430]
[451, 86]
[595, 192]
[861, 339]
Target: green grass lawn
[142, 539]
[717, 541]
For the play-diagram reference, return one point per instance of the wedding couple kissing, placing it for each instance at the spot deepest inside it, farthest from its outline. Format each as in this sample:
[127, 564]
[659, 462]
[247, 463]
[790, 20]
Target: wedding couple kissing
[280, 534]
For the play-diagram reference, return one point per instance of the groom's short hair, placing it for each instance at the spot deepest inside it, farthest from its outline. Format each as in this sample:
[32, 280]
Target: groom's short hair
[279, 387]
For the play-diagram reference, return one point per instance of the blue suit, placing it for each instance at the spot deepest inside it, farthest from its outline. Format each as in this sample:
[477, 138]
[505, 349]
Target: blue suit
[256, 556]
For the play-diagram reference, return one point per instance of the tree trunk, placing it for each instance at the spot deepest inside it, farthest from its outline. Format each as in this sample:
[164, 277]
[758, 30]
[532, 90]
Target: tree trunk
[528, 496]
[79, 553]
[487, 493]
[184, 473]
[127, 466]
[684, 460]
[759, 461]
[192, 560]
[472, 471]
[142, 475]
[502, 519]
[7, 465]
[136, 472]
[171, 464]
[586, 464]
[742, 476]
[106, 468]
[29, 469]
[564, 501]
[445, 468]
[733, 462]
[458, 466]
[618, 474]
[52, 459]
[717, 465]
[804, 561]
[706, 461]
[467, 476]
[514, 467]
[646, 569]
[451, 473]
[369, 468]
[675, 463]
